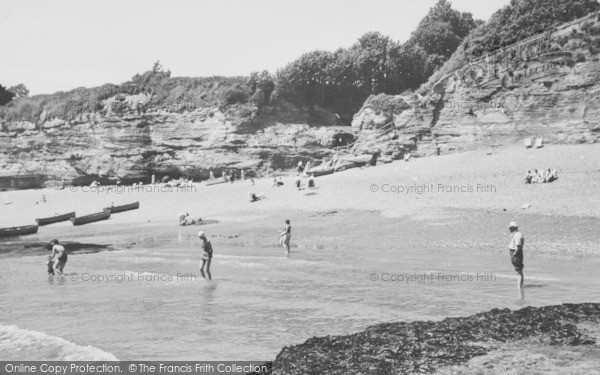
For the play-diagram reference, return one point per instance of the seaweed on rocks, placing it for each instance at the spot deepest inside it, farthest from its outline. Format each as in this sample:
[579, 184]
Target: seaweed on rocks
[424, 346]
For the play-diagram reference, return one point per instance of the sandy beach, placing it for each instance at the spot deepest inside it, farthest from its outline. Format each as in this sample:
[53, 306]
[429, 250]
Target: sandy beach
[422, 187]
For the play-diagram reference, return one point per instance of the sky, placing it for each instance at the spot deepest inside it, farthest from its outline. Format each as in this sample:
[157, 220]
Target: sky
[59, 45]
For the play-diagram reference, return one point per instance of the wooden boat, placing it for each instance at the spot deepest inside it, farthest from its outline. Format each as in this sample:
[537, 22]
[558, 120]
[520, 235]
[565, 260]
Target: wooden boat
[321, 172]
[125, 207]
[18, 231]
[90, 218]
[215, 181]
[55, 219]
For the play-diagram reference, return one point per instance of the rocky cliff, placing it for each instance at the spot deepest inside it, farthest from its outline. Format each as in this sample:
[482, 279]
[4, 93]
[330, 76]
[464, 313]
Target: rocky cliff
[117, 140]
[547, 86]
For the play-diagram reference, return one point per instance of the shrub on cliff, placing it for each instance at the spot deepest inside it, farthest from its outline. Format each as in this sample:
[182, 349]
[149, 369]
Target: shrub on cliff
[20, 90]
[522, 19]
[518, 20]
[234, 95]
[168, 93]
[5, 95]
[261, 86]
[388, 104]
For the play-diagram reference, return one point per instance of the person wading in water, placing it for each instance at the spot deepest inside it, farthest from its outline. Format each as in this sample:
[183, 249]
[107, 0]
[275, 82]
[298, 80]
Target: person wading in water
[206, 257]
[59, 251]
[515, 247]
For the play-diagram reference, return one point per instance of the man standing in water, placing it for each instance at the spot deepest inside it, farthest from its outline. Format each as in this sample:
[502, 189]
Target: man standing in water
[516, 250]
[286, 235]
[206, 257]
[61, 257]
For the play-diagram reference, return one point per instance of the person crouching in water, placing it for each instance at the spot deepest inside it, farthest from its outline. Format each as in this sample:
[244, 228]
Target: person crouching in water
[206, 257]
[60, 253]
[286, 235]
[515, 247]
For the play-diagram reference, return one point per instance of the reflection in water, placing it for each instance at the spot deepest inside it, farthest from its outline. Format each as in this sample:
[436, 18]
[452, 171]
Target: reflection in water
[521, 300]
[208, 295]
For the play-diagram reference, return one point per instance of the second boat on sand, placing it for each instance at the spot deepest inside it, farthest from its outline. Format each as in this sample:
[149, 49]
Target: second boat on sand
[80, 220]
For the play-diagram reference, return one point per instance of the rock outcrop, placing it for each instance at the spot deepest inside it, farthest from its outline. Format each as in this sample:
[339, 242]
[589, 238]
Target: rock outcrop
[120, 141]
[426, 347]
[545, 87]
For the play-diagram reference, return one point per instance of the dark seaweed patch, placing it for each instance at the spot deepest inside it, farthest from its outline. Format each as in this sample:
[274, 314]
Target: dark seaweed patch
[422, 347]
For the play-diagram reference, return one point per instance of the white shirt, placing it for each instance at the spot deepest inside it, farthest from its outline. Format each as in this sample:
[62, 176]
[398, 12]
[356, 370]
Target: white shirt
[516, 241]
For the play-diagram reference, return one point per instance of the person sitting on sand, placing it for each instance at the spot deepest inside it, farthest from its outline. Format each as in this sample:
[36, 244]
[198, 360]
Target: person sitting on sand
[207, 254]
[6, 201]
[311, 182]
[553, 175]
[182, 218]
[528, 177]
[42, 200]
[540, 177]
[286, 235]
[515, 247]
[252, 197]
[61, 256]
[197, 221]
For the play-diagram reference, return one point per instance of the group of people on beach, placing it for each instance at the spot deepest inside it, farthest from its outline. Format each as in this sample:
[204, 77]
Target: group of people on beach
[185, 220]
[231, 176]
[311, 182]
[541, 176]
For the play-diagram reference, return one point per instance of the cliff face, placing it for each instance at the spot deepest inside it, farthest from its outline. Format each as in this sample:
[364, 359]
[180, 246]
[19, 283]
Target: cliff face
[120, 141]
[545, 87]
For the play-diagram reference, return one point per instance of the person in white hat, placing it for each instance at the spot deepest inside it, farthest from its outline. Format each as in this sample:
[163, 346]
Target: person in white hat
[515, 247]
[206, 257]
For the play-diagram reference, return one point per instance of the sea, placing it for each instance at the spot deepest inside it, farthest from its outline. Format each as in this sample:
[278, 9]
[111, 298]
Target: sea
[134, 292]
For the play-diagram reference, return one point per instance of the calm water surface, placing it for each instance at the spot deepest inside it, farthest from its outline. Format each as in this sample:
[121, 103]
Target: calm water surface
[152, 303]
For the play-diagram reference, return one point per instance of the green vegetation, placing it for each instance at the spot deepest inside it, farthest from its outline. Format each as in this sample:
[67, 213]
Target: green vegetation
[341, 80]
[382, 103]
[20, 91]
[5, 95]
[522, 19]
[519, 20]
[168, 93]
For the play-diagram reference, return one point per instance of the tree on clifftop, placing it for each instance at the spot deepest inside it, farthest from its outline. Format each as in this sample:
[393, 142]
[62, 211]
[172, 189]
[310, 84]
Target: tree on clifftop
[5, 95]
[150, 80]
[20, 90]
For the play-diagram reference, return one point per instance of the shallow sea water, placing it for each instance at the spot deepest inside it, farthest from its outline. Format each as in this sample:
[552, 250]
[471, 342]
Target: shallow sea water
[144, 298]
